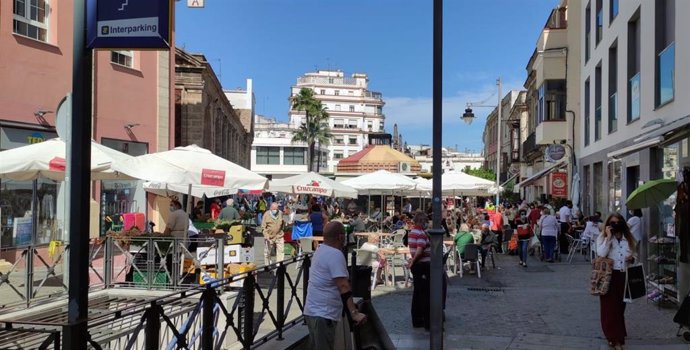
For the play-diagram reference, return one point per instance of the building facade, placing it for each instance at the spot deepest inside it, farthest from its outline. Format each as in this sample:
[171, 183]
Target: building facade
[553, 100]
[512, 105]
[132, 95]
[275, 156]
[355, 112]
[635, 84]
[203, 113]
[451, 159]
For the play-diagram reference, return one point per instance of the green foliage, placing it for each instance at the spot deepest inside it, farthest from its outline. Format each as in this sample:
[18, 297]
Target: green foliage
[481, 172]
[315, 128]
[226, 224]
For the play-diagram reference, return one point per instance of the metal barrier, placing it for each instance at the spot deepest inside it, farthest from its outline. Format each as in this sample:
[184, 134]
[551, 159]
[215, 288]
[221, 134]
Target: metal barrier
[251, 308]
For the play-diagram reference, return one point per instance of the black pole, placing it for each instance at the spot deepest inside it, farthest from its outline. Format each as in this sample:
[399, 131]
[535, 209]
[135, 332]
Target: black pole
[436, 233]
[76, 333]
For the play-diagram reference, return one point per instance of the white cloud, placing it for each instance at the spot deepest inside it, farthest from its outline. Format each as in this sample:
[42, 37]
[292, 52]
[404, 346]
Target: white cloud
[414, 115]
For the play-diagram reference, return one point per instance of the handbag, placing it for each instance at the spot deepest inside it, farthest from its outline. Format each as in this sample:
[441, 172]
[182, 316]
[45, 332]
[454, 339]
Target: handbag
[635, 286]
[602, 268]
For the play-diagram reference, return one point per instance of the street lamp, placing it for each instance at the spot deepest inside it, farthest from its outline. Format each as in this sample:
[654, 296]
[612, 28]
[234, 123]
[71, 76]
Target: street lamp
[468, 117]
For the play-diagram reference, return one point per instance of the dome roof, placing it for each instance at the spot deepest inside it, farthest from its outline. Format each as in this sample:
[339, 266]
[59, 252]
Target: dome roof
[379, 157]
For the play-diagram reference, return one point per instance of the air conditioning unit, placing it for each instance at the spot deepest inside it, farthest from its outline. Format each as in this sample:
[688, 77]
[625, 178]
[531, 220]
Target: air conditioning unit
[404, 167]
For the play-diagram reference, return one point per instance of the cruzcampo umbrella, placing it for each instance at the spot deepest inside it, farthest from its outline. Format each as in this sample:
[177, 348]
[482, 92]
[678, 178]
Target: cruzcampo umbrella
[651, 193]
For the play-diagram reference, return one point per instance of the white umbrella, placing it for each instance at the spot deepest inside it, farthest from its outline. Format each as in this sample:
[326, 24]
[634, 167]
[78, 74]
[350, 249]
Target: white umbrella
[162, 189]
[193, 167]
[381, 182]
[457, 182]
[47, 160]
[312, 183]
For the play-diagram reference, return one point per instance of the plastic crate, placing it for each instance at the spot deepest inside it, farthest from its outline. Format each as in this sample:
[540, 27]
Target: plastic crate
[159, 279]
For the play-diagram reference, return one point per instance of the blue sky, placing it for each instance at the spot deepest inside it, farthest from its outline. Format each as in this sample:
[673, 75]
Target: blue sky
[275, 41]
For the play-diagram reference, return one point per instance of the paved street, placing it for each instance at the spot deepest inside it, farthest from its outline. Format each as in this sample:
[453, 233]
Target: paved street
[543, 306]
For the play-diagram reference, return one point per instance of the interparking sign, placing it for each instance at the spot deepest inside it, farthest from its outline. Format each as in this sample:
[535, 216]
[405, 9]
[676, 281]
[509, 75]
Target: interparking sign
[129, 24]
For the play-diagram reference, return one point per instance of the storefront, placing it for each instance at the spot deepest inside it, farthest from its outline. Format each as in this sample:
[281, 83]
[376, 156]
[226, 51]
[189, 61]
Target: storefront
[551, 181]
[29, 210]
[118, 197]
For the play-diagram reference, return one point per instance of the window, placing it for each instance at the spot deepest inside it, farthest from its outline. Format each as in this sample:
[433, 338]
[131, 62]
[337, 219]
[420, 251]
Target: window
[337, 92]
[352, 108]
[633, 76]
[330, 81]
[665, 51]
[379, 110]
[337, 107]
[352, 140]
[337, 155]
[350, 92]
[31, 19]
[380, 126]
[613, 87]
[293, 156]
[587, 101]
[268, 155]
[551, 101]
[370, 125]
[352, 124]
[615, 186]
[613, 10]
[600, 20]
[323, 91]
[586, 185]
[597, 103]
[338, 123]
[588, 30]
[123, 58]
[339, 141]
[515, 143]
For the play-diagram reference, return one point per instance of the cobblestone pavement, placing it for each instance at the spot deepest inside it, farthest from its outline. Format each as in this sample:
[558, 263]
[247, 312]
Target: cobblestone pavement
[543, 306]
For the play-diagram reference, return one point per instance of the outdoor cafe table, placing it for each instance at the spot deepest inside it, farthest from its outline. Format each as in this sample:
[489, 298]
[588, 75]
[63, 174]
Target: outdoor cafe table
[404, 251]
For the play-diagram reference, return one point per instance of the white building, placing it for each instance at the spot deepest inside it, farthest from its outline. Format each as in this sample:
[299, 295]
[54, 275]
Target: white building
[354, 110]
[273, 153]
[451, 159]
[635, 85]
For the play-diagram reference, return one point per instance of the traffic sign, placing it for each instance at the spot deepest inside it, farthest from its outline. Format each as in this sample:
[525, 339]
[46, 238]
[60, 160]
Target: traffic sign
[129, 24]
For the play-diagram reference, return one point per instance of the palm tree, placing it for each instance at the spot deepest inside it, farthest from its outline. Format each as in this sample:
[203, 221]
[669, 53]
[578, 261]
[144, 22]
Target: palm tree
[313, 129]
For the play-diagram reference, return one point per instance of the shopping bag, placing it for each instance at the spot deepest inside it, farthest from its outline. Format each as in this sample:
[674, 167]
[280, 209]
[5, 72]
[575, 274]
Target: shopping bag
[635, 286]
[600, 279]
[534, 242]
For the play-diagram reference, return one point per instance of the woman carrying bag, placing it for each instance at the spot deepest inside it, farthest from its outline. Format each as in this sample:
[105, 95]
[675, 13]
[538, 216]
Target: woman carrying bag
[617, 244]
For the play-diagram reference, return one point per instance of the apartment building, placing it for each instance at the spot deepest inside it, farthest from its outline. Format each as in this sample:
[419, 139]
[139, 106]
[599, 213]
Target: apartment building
[513, 108]
[552, 101]
[274, 155]
[451, 159]
[354, 110]
[636, 113]
[131, 107]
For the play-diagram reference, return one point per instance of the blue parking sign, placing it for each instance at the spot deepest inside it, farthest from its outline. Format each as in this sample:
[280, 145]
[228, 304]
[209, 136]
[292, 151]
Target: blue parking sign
[129, 24]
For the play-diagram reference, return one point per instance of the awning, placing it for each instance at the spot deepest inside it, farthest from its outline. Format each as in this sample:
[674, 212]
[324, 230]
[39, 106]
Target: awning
[670, 130]
[509, 180]
[617, 154]
[542, 173]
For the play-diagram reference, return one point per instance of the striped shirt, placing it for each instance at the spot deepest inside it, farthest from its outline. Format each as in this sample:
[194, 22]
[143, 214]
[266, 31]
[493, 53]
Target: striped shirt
[418, 238]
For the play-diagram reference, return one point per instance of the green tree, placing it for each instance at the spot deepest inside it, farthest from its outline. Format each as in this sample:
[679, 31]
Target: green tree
[315, 128]
[484, 173]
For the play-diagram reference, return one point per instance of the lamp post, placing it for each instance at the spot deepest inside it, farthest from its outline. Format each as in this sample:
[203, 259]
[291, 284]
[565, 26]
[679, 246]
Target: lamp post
[468, 117]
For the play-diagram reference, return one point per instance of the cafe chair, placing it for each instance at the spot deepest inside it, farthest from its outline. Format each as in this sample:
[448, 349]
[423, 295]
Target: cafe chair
[471, 255]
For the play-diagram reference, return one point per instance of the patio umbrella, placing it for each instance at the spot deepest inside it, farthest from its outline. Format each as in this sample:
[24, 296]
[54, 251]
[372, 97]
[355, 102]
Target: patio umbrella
[193, 167]
[381, 182]
[47, 160]
[312, 183]
[458, 182]
[651, 193]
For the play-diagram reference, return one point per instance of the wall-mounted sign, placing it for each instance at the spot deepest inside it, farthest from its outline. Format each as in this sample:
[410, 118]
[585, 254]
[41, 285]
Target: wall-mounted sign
[559, 185]
[554, 153]
[195, 3]
[128, 24]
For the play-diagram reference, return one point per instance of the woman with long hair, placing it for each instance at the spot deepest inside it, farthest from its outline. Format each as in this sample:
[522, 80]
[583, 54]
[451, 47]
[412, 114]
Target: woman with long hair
[618, 244]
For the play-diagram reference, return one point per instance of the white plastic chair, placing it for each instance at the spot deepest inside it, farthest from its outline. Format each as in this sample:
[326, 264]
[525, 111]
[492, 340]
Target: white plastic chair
[367, 255]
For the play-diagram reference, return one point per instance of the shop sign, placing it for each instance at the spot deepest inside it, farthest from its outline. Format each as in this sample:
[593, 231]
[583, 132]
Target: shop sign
[554, 153]
[13, 138]
[212, 177]
[314, 187]
[129, 24]
[559, 184]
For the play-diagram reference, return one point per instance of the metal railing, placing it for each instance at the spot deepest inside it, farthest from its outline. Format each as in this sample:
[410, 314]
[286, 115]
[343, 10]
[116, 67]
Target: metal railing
[250, 308]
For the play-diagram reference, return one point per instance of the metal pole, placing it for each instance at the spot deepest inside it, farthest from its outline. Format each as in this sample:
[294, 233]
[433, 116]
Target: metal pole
[436, 233]
[76, 331]
[498, 147]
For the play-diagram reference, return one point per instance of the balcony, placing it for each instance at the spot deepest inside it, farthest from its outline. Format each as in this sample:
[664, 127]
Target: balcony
[529, 147]
[549, 131]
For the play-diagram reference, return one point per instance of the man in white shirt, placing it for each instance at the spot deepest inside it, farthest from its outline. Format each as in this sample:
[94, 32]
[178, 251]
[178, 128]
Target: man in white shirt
[564, 216]
[407, 209]
[329, 289]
